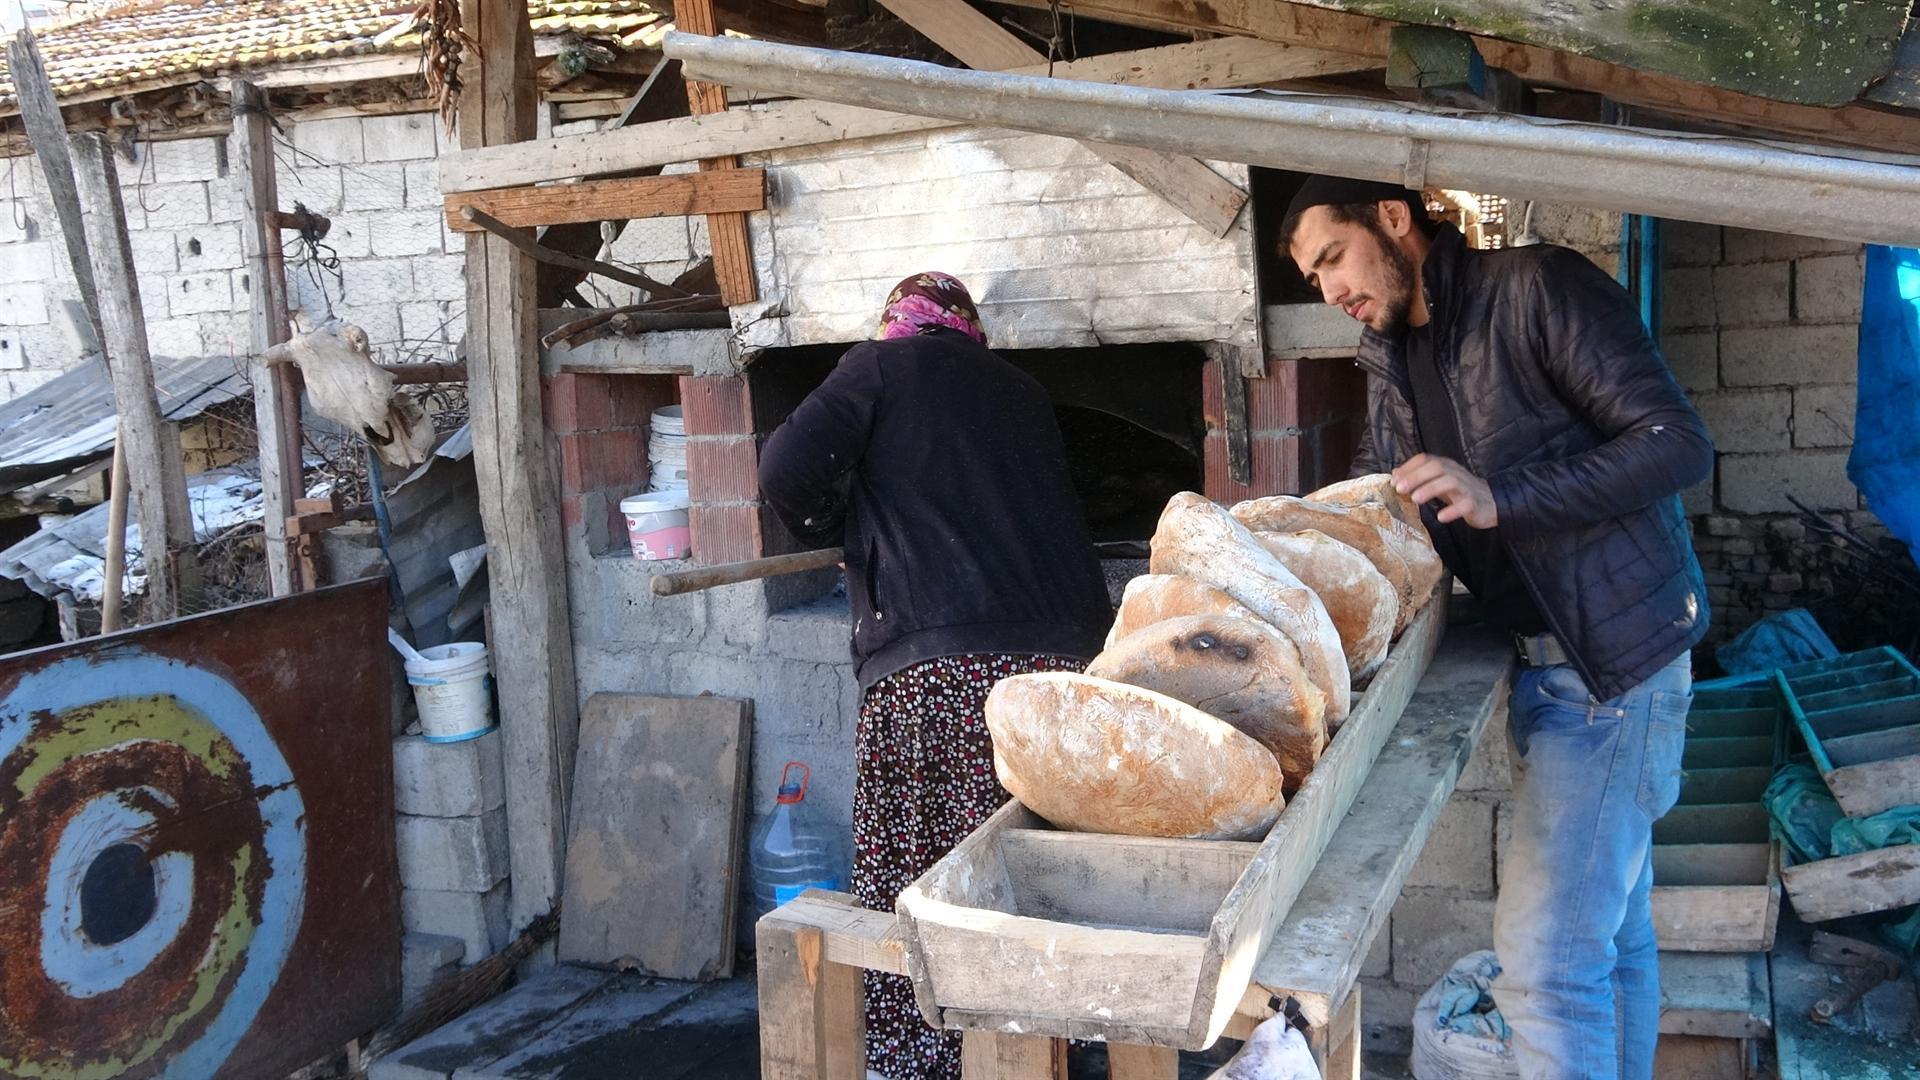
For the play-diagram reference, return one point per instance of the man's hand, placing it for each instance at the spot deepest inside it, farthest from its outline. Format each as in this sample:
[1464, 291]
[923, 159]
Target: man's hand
[1427, 478]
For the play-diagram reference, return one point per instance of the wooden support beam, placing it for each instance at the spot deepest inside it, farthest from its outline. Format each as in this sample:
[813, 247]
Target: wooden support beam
[812, 1009]
[533, 249]
[1142, 1062]
[157, 487]
[47, 133]
[1220, 63]
[994, 1055]
[276, 389]
[728, 191]
[518, 481]
[1188, 185]
[726, 231]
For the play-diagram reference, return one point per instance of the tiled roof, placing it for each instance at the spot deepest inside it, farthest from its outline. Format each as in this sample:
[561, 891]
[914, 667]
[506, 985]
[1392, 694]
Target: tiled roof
[169, 41]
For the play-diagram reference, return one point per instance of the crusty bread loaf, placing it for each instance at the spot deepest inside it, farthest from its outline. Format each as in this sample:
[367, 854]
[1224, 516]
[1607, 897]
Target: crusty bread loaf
[1374, 487]
[1201, 540]
[1359, 527]
[1363, 604]
[1238, 669]
[1098, 756]
[1152, 598]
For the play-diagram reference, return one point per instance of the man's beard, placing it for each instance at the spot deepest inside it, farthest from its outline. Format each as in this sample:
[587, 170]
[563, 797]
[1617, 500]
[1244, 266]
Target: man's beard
[1397, 291]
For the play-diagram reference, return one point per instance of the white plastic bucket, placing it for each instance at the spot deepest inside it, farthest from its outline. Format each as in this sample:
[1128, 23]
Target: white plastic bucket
[450, 688]
[657, 524]
[669, 420]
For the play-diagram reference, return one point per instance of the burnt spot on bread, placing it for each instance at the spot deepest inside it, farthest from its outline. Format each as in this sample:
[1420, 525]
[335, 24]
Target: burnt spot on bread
[1207, 641]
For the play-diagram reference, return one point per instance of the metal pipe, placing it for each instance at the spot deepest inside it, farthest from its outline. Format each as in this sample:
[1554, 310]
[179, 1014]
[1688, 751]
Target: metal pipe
[1724, 181]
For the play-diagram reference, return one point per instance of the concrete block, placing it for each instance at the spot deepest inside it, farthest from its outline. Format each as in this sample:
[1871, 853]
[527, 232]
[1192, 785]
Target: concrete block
[351, 236]
[1459, 852]
[1690, 243]
[1789, 356]
[1686, 299]
[448, 779]
[13, 351]
[191, 294]
[316, 187]
[1747, 421]
[399, 138]
[224, 194]
[1823, 415]
[423, 185]
[424, 321]
[478, 920]
[440, 277]
[380, 186]
[1760, 483]
[380, 321]
[181, 160]
[308, 294]
[17, 223]
[1379, 961]
[23, 304]
[1694, 358]
[1829, 288]
[409, 232]
[1752, 245]
[211, 247]
[1488, 768]
[174, 337]
[27, 262]
[458, 854]
[1386, 1016]
[336, 141]
[227, 331]
[171, 206]
[818, 632]
[1756, 294]
[1432, 930]
[154, 252]
[424, 960]
[376, 281]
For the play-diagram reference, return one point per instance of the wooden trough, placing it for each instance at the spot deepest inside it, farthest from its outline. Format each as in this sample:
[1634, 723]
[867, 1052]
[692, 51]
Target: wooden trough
[1716, 867]
[1031, 930]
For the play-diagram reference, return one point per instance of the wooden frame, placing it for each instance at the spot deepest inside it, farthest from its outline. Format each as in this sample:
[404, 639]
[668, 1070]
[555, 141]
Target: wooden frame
[1861, 723]
[728, 191]
[1029, 930]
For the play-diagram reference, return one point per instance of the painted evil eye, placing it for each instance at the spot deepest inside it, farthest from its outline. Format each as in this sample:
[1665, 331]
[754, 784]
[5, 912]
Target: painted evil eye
[155, 865]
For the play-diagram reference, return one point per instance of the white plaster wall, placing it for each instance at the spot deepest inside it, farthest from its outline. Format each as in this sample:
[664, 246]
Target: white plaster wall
[1059, 248]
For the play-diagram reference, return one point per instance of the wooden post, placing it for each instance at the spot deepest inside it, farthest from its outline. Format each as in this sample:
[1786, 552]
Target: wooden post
[124, 335]
[273, 387]
[993, 1055]
[812, 1022]
[47, 133]
[1336, 1046]
[726, 233]
[519, 483]
[110, 594]
[1142, 1062]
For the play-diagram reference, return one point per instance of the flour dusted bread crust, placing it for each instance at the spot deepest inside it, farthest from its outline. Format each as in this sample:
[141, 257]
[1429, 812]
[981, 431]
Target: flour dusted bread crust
[1152, 598]
[1372, 488]
[1363, 605]
[1097, 756]
[1237, 669]
[1203, 541]
[1405, 558]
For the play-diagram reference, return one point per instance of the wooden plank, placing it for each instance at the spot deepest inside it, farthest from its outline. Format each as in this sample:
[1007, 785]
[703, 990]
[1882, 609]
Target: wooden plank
[1723, 995]
[1128, 1062]
[1876, 786]
[812, 1020]
[1342, 1059]
[1216, 64]
[614, 200]
[1713, 823]
[123, 324]
[47, 130]
[1710, 864]
[1700, 1057]
[1744, 784]
[1854, 884]
[1859, 719]
[1727, 753]
[1893, 686]
[251, 156]
[853, 935]
[993, 1055]
[518, 481]
[1715, 918]
[1316, 954]
[1870, 747]
[1121, 880]
[1188, 185]
[654, 838]
[726, 231]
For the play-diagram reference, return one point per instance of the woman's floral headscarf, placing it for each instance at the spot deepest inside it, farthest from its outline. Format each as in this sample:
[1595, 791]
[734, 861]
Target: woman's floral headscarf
[926, 300]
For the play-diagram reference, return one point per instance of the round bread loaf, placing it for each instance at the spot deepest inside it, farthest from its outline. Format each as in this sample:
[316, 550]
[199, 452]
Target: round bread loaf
[1097, 756]
[1413, 545]
[1152, 598]
[1203, 541]
[1236, 669]
[1362, 603]
[1376, 488]
[1360, 528]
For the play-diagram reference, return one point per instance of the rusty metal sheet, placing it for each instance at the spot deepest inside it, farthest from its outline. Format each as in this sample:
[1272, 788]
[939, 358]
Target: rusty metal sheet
[197, 870]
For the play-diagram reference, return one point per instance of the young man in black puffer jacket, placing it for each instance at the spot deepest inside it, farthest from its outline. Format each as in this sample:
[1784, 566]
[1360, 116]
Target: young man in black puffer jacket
[1517, 397]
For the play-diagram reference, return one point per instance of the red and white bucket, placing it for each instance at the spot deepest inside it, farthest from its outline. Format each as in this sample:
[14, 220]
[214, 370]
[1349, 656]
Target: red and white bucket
[657, 524]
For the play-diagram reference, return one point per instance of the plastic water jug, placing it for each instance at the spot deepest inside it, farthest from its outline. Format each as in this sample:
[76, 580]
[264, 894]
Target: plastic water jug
[794, 851]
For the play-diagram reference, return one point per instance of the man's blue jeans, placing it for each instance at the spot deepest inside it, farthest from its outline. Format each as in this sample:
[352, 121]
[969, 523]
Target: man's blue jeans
[1580, 972]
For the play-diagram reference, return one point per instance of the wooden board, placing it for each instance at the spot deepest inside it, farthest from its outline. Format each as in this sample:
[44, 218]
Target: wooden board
[1854, 884]
[615, 200]
[654, 837]
[1723, 995]
[990, 952]
[726, 229]
[1859, 715]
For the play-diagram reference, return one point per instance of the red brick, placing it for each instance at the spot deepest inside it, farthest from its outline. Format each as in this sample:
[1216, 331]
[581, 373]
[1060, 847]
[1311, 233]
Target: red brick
[1269, 407]
[636, 396]
[570, 511]
[1276, 468]
[619, 460]
[576, 463]
[723, 470]
[1325, 390]
[717, 405]
[576, 402]
[723, 534]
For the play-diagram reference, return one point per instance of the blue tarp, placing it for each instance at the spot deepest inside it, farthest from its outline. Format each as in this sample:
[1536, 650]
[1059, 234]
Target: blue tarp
[1782, 639]
[1885, 463]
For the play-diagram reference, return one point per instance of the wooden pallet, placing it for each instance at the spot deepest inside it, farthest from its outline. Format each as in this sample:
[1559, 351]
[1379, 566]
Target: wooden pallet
[1026, 929]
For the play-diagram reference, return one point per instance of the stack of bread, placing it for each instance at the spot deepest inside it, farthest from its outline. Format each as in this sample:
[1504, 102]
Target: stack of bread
[1228, 668]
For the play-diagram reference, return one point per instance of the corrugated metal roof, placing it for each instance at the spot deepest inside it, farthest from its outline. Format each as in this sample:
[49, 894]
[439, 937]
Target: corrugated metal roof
[181, 40]
[70, 421]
